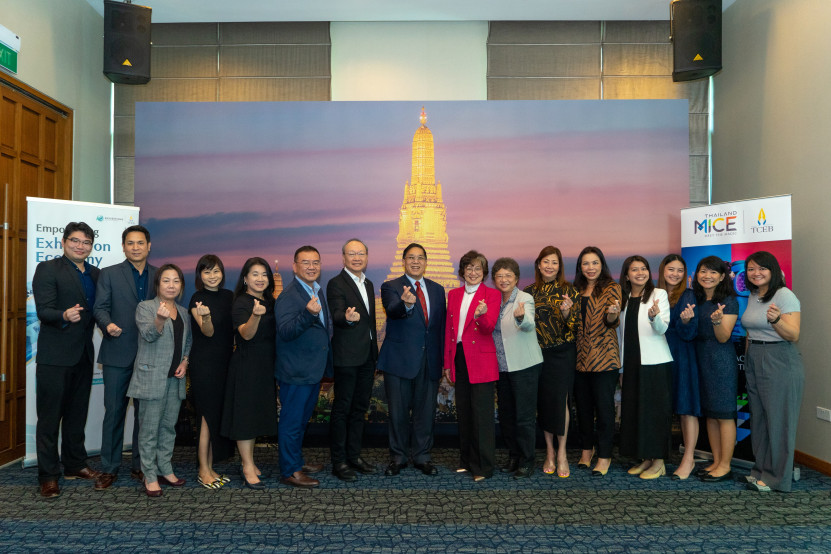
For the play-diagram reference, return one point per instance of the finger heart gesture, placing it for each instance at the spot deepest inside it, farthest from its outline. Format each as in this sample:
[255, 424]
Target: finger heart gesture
[519, 311]
[259, 309]
[482, 308]
[654, 309]
[202, 310]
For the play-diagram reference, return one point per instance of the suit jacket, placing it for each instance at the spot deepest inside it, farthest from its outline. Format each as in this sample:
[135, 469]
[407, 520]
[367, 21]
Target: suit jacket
[407, 339]
[653, 343]
[304, 351]
[352, 344]
[522, 349]
[155, 352]
[56, 287]
[115, 302]
[477, 334]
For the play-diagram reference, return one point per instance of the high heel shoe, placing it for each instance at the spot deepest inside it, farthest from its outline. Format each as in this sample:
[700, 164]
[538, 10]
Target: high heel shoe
[654, 474]
[588, 464]
[258, 486]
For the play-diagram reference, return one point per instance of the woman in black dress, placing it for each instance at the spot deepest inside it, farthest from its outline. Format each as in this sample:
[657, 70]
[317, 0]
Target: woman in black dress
[250, 397]
[213, 342]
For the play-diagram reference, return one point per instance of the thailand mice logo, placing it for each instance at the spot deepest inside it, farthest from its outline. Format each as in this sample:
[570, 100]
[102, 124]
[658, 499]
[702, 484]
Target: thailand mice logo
[721, 223]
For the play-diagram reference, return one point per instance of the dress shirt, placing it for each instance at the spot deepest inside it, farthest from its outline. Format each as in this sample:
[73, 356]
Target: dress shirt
[423, 290]
[465, 306]
[314, 290]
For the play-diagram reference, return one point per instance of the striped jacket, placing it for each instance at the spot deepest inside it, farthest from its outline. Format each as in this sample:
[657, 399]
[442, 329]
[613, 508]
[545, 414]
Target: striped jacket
[597, 344]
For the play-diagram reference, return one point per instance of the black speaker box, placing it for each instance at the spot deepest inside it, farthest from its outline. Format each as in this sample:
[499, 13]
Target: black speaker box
[696, 38]
[126, 43]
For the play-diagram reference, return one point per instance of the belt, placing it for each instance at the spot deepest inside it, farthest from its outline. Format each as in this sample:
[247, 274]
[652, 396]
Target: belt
[766, 341]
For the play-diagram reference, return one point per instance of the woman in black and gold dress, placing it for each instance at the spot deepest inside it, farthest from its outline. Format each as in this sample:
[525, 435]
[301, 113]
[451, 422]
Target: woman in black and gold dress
[556, 324]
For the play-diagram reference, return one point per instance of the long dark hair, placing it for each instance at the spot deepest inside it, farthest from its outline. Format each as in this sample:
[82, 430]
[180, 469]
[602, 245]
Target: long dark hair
[723, 290]
[208, 261]
[765, 260]
[626, 285]
[249, 263]
[560, 278]
[674, 294]
[604, 279]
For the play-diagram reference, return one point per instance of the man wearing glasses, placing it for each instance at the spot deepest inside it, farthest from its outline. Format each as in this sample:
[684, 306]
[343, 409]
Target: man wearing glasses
[64, 290]
[304, 357]
[411, 359]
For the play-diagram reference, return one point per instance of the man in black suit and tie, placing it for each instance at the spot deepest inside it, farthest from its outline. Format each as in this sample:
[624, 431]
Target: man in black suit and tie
[120, 289]
[411, 359]
[351, 299]
[64, 290]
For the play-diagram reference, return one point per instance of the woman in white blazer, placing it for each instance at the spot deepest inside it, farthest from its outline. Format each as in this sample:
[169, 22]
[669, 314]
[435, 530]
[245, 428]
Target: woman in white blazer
[646, 402]
[520, 359]
[158, 376]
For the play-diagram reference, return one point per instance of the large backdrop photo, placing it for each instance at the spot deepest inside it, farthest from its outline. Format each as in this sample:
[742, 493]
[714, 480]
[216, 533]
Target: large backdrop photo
[503, 177]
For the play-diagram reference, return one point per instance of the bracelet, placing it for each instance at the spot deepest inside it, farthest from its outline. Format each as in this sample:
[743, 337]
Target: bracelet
[716, 323]
[775, 321]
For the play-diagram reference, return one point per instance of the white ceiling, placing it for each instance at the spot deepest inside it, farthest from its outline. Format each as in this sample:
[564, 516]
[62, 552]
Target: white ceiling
[181, 11]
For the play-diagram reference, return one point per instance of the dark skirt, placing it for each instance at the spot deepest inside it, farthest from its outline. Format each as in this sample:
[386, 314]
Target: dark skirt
[646, 411]
[719, 374]
[250, 408]
[556, 386]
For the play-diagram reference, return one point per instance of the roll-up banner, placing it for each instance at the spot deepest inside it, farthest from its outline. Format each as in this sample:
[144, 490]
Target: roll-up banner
[47, 218]
[732, 231]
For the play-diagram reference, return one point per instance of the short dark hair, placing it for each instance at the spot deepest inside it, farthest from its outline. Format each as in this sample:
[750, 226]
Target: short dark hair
[343, 248]
[580, 281]
[505, 263]
[765, 259]
[246, 267]
[469, 258]
[626, 285]
[560, 278]
[157, 279]
[724, 289]
[74, 226]
[208, 261]
[305, 248]
[410, 247]
[135, 229]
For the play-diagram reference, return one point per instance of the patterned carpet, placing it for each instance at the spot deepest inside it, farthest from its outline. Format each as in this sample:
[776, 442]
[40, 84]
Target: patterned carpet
[414, 512]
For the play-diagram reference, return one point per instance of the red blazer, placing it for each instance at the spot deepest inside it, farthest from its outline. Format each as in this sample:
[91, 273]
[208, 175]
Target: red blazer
[477, 337]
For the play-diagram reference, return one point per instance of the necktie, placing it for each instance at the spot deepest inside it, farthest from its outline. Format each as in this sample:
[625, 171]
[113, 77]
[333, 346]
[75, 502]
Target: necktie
[422, 301]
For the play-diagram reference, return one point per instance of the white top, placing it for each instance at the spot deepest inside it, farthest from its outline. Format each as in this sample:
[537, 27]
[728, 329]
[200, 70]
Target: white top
[467, 298]
[653, 343]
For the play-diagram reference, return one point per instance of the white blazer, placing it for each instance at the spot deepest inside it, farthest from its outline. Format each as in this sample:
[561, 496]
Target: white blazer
[654, 347]
[520, 339]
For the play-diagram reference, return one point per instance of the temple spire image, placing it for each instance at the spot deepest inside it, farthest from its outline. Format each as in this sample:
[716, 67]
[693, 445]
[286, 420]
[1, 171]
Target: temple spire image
[423, 216]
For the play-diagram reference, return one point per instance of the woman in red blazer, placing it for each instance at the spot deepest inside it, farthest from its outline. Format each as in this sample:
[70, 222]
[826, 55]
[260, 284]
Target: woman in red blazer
[470, 363]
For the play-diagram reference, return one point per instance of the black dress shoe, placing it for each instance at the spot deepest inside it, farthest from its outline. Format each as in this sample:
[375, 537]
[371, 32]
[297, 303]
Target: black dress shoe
[359, 464]
[700, 471]
[523, 472]
[394, 468]
[510, 466]
[427, 468]
[710, 478]
[342, 471]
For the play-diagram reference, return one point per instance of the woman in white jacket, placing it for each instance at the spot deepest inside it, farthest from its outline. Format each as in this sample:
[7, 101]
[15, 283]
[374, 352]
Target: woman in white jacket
[520, 359]
[646, 402]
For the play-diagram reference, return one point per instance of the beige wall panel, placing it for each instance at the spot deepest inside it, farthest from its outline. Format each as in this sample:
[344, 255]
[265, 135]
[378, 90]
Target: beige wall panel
[637, 59]
[184, 61]
[699, 134]
[190, 34]
[699, 180]
[544, 60]
[544, 89]
[636, 31]
[274, 33]
[274, 61]
[124, 179]
[124, 137]
[544, 32]
[164, 90]
[272, 90]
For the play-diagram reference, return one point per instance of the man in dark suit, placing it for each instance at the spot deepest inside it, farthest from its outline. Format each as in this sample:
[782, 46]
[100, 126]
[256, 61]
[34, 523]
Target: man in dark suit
[351, 298]
[304, 356]
[120, 289]
[64, 290]
[411, 359]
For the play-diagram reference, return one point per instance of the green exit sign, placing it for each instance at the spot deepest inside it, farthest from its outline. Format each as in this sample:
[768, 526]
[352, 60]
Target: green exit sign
[8, 58]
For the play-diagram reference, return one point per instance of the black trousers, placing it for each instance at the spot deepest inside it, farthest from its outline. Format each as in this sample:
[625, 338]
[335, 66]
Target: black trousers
[62, 400]
[353, 389]
[477, 429]
[594, 393]
[517, 392]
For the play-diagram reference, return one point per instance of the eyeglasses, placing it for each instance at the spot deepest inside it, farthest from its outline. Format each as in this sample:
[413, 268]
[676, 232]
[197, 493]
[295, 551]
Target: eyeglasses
[355, 254]
[473, 269]
[76, 242]
[415, 258]
[308, 263]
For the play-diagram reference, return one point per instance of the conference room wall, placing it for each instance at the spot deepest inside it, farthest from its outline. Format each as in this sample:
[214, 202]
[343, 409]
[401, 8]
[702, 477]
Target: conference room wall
[771, 133]
[61, 56]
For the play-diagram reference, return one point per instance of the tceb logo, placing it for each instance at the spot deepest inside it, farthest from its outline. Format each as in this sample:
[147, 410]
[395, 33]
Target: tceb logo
[722, 223]
[761, 224]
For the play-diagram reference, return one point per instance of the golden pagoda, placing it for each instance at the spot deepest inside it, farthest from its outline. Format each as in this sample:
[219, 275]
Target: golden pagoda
[423, 217]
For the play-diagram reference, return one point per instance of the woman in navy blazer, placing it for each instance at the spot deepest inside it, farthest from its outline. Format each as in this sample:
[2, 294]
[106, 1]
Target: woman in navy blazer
[470, 363]
[646, 403]
[158, 376]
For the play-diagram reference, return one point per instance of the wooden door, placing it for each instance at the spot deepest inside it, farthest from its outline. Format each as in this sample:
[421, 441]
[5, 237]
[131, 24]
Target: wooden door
[35, 160]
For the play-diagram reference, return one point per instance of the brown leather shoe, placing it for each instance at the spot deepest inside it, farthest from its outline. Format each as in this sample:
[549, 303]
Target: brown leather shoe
[137, 474]
[49, 489]
[104, 481]
[83, 473]
[300, 479]
[310, 469]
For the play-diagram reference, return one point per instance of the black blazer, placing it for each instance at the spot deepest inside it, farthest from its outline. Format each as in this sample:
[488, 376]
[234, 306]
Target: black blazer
[56, 287]
[352, 344]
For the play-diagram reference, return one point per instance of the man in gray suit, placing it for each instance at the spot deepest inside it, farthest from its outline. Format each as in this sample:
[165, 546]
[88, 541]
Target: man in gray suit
[120, 288]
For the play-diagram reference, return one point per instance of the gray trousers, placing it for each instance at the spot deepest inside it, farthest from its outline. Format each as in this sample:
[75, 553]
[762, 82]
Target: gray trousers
[157, 431]
[775, 377]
